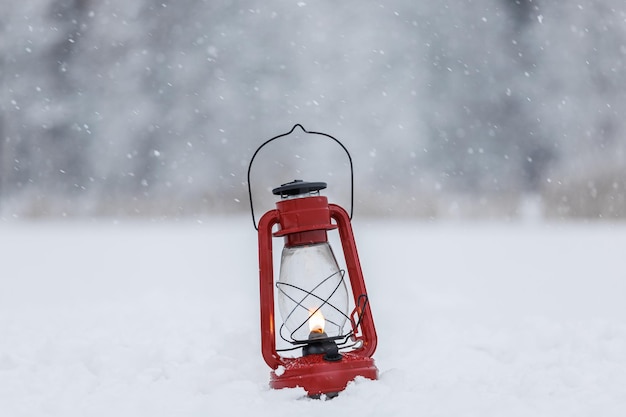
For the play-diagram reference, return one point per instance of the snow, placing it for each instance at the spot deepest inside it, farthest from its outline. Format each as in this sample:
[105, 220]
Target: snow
[159, 319]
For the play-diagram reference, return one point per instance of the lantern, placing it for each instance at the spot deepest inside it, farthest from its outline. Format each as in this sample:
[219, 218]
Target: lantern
[327, 323]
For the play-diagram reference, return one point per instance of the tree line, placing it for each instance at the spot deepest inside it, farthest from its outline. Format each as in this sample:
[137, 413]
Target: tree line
[143, 108]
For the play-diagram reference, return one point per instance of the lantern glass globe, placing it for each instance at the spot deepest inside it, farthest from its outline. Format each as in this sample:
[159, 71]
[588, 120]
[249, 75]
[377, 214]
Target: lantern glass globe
[311, 286]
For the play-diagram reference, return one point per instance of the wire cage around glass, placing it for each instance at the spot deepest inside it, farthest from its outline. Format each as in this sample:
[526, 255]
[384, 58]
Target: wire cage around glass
[312, 294]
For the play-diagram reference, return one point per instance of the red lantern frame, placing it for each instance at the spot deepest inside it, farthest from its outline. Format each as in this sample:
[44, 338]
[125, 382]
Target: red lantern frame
[304, 221]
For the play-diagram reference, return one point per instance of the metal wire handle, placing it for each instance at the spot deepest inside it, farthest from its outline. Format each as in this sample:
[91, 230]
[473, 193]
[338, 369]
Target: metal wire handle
[286, 134]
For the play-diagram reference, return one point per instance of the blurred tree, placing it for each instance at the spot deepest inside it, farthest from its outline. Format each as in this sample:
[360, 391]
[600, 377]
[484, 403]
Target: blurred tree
[522, 11]
[65, 143]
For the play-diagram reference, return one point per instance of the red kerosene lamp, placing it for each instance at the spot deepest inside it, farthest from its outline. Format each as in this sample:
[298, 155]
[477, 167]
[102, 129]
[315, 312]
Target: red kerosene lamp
[336, 335]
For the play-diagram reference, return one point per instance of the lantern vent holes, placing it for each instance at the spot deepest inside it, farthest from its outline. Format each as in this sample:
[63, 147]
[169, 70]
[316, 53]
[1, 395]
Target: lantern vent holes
[342, 341]
[299, 188]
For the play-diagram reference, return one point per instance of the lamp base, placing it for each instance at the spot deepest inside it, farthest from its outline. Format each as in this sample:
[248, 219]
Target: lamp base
[318, 376]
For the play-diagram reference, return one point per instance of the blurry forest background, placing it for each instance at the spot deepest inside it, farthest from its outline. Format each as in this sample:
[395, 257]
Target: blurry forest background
[472, 108]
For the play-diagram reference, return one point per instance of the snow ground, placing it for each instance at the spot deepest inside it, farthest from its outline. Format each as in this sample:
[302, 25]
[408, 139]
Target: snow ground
[144, 319]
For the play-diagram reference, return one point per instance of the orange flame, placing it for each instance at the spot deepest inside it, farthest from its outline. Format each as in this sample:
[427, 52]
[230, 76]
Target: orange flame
[316, 321]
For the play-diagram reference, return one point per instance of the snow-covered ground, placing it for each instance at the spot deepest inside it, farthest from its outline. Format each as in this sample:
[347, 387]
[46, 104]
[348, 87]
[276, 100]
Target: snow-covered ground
[151, 319]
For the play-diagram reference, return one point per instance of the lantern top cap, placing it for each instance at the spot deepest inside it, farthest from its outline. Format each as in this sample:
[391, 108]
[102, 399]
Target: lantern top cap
[298, 187]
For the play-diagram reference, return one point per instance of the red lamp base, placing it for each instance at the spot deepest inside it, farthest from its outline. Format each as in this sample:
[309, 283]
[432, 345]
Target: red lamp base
[318, 376]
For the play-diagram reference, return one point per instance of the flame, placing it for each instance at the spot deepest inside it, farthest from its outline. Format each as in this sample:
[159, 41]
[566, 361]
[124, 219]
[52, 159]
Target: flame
[316, 321]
